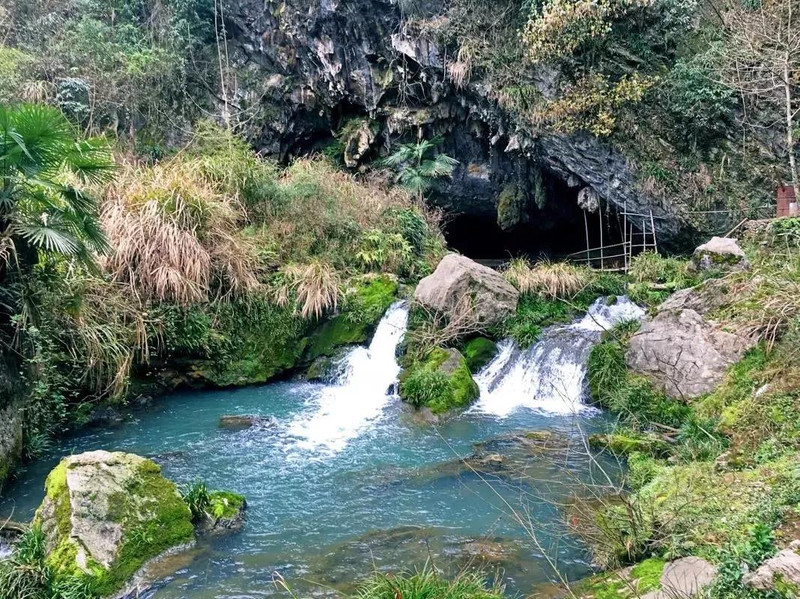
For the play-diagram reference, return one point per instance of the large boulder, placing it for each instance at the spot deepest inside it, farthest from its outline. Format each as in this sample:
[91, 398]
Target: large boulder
[684, 578]
[783, 568]
[105, 515]
[719, 253]
[459, 283]
[683, 354]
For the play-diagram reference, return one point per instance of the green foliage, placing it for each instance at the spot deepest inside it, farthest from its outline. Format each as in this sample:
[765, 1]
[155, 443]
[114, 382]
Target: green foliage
[427, 584]
[478, 352]
[198, 498]
[13, 67]
[700, 104]
[418, 166]
[44, 210]
[739, 558]
[441, 382]
[26, 574]
[533, 314]
[654, 277]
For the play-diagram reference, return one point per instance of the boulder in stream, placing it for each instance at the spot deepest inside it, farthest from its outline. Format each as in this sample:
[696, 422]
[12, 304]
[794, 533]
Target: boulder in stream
[442, 382]
[105, 515]
[238, 422]
[491, 299]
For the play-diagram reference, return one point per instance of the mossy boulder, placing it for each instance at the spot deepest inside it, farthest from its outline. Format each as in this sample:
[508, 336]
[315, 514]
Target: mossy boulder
[363, 307]
[225, 513]
[625, 443]
[442, 382]
[106, 514]
[478, 352]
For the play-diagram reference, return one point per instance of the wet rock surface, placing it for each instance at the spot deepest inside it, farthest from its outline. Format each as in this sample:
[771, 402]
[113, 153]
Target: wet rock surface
[239, 422]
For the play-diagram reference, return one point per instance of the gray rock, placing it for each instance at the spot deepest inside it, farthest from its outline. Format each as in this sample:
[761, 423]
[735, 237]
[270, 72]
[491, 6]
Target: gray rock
[240, 422]
[99, 503]
[460, 283]
[783, 567]
[683, 354]
[719, 253]
[684, 578]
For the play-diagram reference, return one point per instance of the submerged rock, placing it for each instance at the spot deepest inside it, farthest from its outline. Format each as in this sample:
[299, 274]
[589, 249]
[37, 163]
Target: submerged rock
[106, 514]
[684, 354]
[240, 422]
[457, 280]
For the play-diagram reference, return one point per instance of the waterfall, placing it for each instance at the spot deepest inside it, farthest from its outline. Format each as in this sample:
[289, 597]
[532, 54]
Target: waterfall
[358, 397]
[550, 376]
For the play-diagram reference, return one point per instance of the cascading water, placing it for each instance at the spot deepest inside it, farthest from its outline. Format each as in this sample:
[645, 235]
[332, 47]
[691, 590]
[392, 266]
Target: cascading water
[360, 394]
[550, 375]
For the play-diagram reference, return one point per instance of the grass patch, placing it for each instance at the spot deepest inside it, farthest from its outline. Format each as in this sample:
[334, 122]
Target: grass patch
[428, 584]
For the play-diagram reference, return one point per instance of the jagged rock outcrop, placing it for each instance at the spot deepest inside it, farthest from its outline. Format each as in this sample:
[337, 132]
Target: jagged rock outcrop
[684, 354]
[459, 284]
[106, 514]
[311, 67]
[783, 568]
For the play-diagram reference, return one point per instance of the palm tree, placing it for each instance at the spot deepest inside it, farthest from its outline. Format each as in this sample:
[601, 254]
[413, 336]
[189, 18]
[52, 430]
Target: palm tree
[43, 167]
[418, 166]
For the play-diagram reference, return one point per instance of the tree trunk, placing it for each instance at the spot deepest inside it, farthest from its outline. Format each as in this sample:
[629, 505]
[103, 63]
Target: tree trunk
[787, 85]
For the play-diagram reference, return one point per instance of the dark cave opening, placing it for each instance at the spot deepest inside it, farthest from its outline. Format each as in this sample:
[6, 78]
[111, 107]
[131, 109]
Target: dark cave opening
[557, 230]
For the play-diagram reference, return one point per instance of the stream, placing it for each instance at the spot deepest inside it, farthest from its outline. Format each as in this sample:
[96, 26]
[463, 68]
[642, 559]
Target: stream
[347, 479]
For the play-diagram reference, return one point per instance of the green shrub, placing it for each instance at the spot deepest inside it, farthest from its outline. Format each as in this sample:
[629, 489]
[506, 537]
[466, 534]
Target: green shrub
[198, 498]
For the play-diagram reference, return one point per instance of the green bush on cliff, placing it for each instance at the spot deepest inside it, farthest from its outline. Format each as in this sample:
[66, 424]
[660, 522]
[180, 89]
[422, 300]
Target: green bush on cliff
[441, 382]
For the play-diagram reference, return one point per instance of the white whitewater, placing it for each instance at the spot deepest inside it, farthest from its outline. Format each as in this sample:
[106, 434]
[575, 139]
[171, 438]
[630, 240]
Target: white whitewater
[550, 376]
[359, 397]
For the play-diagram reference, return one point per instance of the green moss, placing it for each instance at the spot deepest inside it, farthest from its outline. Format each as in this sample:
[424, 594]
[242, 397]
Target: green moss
[442, 382]
[224, 504]
[625, 442]
[479, 352]
[363, 308]
[153, 516]
[511, 207]
[644, 576]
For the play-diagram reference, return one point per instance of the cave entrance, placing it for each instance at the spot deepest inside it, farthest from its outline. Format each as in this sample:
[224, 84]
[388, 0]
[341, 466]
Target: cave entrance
[558, 230]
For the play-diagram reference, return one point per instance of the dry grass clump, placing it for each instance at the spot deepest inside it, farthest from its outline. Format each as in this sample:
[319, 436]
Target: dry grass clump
[548, 279]
[316, 286]
[174, 236]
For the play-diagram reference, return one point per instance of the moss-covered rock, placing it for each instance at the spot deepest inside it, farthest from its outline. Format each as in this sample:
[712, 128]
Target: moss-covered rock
[225, 512]
[442, 382]
[106, 514]
[627, 442]
[478, 352]
[362, 310]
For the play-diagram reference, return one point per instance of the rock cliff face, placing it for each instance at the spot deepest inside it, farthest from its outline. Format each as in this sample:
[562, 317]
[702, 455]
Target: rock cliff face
[308, 67]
